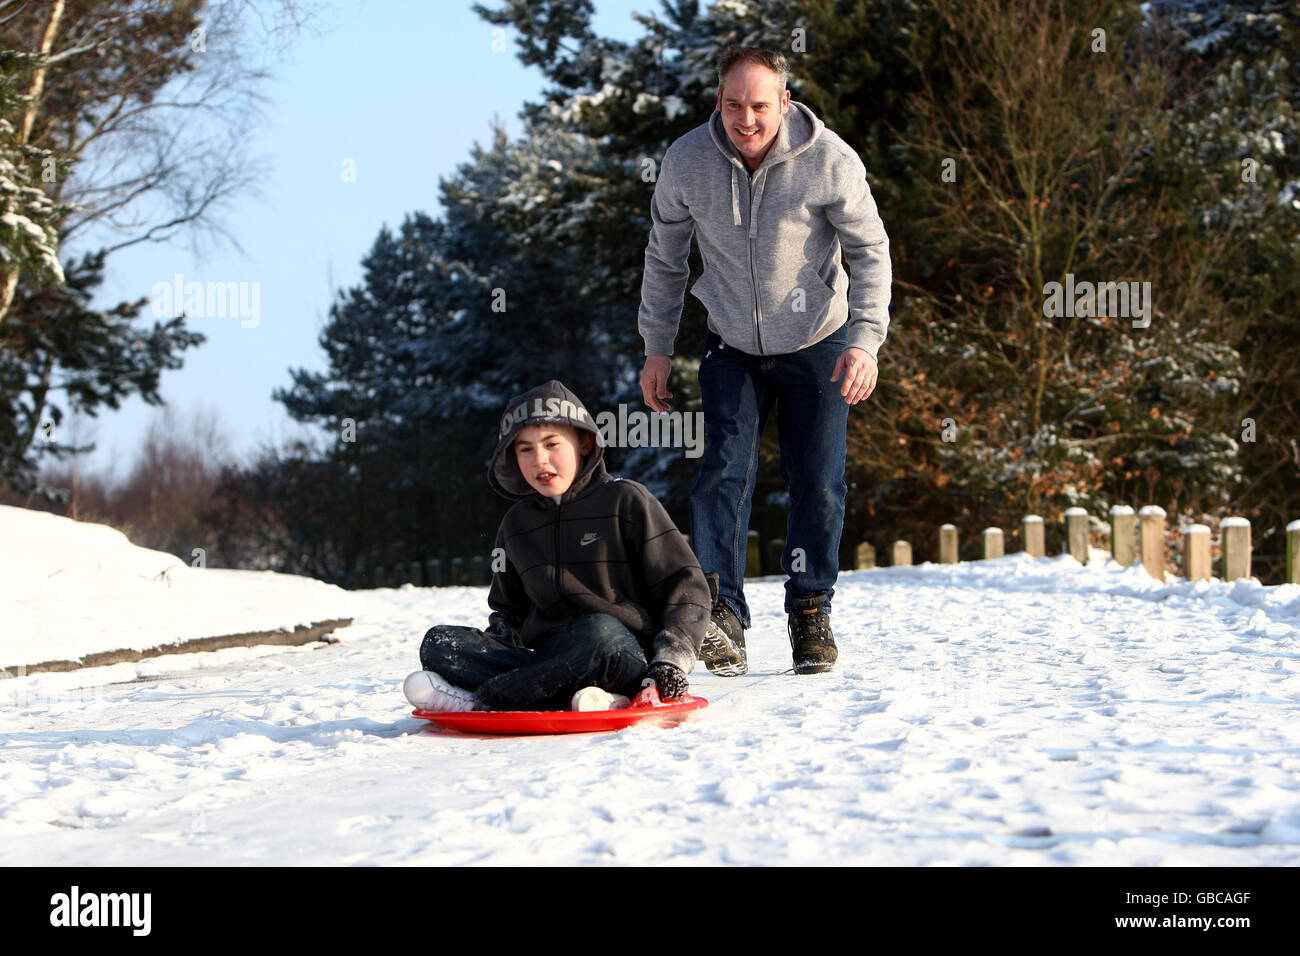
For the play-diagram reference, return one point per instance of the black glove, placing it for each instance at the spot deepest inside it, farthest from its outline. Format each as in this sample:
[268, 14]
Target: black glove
[668, 680]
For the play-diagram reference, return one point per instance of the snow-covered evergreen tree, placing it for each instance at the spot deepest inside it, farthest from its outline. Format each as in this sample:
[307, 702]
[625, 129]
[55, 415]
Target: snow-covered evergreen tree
[1235, 139]
[29, 240]
[57, 354]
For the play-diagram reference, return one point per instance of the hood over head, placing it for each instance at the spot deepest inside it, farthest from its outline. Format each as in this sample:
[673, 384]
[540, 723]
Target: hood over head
[551, 403]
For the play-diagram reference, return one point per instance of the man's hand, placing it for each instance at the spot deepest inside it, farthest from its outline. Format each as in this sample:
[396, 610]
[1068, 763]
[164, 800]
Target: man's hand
[654, 381]
[860, 372]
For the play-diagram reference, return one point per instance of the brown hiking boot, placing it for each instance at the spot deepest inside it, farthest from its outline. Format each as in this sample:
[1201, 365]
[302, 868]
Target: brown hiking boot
[811, 641]
[723, 650]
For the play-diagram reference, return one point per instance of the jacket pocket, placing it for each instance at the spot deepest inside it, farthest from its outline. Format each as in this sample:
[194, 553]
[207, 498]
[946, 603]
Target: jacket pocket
[801, 303]
[710, 295]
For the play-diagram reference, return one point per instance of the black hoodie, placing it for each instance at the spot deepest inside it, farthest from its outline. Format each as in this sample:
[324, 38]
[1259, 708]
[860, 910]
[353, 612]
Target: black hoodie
[607, 547]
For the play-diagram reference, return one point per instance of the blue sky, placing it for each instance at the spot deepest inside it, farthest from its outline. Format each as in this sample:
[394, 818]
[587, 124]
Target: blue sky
[401, 87]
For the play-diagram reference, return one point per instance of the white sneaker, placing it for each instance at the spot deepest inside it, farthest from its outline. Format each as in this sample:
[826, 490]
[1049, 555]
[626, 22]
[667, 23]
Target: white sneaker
[596, 698]
[429, 691]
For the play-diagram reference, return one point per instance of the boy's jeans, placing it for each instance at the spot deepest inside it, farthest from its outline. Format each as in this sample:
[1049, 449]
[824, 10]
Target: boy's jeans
[738, 392]
[592, 650]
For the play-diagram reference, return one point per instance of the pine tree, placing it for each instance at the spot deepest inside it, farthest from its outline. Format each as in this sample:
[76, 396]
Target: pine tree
[28, 216]
[453, 317]
[58, 353]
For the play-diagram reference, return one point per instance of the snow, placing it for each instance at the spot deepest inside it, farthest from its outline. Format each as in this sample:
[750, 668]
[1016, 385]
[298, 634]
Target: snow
[1293, 526]
[1235, 523]
[1289, 195]
[675, 106]
[1117, 510]
[573, 109]
[1016, 711]
[1203, 44]
[736, 7]
[22, 223]
[1152, 511]
[72, 588]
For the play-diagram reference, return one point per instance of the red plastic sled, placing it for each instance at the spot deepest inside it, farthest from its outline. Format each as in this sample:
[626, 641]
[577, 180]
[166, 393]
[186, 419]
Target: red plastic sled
[646, 707]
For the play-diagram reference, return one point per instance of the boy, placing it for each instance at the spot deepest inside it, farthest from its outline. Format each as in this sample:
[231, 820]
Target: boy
[596, 581]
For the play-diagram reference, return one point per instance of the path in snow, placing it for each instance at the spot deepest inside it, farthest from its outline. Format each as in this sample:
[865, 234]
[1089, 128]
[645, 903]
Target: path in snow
[1004, 712]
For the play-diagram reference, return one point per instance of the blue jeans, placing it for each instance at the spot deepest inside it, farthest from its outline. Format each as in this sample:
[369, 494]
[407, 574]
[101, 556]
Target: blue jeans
[739, 391]
[592, 650]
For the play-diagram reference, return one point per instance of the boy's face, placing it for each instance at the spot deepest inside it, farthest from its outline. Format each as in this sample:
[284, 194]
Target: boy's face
[550, 456]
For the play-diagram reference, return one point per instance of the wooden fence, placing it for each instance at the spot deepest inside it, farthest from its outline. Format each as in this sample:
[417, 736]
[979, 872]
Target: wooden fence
[1133, 537]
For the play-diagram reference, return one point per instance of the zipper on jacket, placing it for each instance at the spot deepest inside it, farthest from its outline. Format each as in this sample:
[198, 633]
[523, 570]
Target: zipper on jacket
[753, 277]
[555, 577]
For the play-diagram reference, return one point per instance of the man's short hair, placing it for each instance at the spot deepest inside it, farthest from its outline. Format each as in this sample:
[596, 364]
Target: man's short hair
[772, 59]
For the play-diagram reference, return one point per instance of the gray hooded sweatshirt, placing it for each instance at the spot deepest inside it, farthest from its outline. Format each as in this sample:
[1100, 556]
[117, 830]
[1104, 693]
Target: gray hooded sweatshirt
[772, 242]
[606, 547]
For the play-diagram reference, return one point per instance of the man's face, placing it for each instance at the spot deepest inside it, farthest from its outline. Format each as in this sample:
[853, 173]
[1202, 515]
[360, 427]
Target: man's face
[550, 456]
[752, 109]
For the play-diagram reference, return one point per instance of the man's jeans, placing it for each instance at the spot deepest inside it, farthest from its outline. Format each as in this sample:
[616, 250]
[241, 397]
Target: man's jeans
[738, 392]
[593, 650]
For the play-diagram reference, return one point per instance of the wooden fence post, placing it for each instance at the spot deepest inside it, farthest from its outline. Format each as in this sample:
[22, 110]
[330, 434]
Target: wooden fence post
[1236, 548]
[1123, 536]
[1293, 552]
[994, 545]
[902, 554]
[435, 573]
[866, 555]
[1153, 541]
[948, 544]
[457, 571]
[1076, 534]
[753, 560]
[1032, 537]
[775, 551]
[380, 581]
[1197, 549]
[477, 571]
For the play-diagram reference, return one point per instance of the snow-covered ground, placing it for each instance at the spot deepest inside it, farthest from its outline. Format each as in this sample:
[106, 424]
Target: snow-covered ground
[70, 588]
[1004, 712]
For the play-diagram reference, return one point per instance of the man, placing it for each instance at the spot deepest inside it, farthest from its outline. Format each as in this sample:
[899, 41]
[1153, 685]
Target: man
[774, 200]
